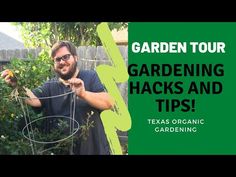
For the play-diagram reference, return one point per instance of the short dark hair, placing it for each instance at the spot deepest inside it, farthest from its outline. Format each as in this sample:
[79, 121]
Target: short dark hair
[60, 44]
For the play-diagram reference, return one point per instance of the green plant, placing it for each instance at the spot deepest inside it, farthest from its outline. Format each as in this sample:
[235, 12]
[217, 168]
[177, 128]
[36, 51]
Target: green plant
[9, 145]
[45, 34]
[86, 127]
[30, 74]
[60, 131]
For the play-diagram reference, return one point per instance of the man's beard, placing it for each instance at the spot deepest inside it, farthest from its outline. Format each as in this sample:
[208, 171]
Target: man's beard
[70, 74]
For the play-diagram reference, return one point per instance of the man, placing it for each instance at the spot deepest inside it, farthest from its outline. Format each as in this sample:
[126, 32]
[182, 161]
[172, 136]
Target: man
[91, 97]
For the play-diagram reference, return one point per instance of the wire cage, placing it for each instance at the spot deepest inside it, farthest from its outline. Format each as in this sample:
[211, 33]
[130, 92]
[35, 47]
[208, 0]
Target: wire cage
[51, 134]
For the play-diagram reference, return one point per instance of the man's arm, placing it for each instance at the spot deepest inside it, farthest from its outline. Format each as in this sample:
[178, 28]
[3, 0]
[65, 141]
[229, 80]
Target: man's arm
[32, 100]
[100, 100]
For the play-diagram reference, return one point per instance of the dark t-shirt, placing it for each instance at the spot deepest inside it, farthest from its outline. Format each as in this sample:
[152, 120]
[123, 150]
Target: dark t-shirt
[94, 142]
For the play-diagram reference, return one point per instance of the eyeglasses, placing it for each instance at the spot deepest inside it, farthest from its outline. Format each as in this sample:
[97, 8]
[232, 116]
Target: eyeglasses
[64, 58]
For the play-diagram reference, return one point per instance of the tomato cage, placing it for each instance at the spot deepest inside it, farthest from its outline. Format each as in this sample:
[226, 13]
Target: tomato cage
[53, 133]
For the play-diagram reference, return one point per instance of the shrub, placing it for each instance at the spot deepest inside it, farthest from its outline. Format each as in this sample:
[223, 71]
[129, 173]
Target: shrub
[29, 73]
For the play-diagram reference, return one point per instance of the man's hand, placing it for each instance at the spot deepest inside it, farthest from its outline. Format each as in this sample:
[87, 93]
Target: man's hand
[77, 85]
[9, 77]
[99, 100]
